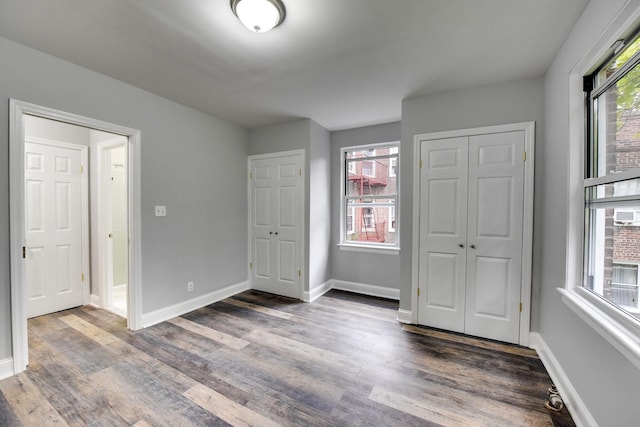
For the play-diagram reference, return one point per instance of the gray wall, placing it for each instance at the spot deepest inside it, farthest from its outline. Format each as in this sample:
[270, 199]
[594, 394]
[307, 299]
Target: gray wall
[319, 206]
[605, 380]
[512, 102]
[203, 237]
[307, 135]
[363, 267]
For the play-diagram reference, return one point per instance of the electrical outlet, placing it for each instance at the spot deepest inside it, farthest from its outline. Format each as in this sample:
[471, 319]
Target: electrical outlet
[189, 286]
[161, 210]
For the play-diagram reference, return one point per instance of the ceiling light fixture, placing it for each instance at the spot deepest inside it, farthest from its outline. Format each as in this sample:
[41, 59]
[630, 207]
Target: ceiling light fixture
[259, 16]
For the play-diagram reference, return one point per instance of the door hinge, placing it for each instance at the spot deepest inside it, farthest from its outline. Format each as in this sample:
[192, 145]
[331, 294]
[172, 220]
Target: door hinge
[250, 175]
[520, 307]
[525, 156]
[83, 277]
[250, 266]
[299, 172]
[418, 291]
[420, 163]
[24, 252]
[81, 169]
[299, 273]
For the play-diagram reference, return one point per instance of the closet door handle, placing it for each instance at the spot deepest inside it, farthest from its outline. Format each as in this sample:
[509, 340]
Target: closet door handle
[276, 233]
[461, 245]
[271, 232]
[473, 246]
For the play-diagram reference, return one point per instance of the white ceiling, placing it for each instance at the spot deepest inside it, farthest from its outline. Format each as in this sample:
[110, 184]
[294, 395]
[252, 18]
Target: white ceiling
[342, 63]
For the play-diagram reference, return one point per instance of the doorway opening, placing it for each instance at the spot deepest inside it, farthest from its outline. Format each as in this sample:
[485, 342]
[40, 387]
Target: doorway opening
[111, 279]
[109, 222]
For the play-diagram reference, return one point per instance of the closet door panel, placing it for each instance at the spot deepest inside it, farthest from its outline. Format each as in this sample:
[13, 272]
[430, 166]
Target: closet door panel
[443, 231]
[494, 240]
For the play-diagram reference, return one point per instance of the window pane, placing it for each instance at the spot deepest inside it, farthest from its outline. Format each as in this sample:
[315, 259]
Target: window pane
[629, 187]
[371, 222]
[607, 242]
[617, 62]
[616, 147]
[363, 185]
[370, 194]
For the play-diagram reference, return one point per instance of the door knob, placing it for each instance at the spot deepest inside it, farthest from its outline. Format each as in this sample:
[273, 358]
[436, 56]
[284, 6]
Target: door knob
[276, 233]
[473, 246]
[461, 245]
[271, 232]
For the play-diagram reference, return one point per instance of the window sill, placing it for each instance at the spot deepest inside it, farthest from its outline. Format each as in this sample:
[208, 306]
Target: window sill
[612, 326]
[378, 249]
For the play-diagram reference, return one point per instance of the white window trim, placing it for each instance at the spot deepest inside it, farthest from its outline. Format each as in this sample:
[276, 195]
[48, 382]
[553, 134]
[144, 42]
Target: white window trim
[382, 248]
[616, 327]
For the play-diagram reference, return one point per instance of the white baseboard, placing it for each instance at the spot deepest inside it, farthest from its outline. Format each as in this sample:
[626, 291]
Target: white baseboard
[316, 292]
[157, 316]
[579, 411]
[405, 316]
[6, 368]
[371, 290]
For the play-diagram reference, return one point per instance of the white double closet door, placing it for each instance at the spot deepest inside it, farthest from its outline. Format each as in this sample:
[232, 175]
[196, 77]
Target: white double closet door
[275, 199]
[471, 234]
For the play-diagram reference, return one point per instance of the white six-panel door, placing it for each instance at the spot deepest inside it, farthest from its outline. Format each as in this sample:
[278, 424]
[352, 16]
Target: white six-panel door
[443, 233]
[53, 228]
[471, 234]
[276, 204]
[494, 235]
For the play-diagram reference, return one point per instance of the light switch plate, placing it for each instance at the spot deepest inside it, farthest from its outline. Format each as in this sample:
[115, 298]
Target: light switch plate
[161, 211]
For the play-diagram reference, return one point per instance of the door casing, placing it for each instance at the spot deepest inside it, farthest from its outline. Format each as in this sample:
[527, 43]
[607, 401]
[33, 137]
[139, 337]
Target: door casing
[527, 238]
[17, 110]
[101, 259]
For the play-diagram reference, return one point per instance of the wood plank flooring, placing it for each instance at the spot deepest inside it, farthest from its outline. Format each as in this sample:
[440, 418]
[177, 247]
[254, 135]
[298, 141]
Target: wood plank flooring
[260, 360]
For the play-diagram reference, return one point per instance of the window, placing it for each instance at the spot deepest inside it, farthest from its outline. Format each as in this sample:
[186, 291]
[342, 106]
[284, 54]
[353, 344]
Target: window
[368, 220]
[392, 218]
[393, 162]
[612, 181]
[628, 217]
[370, 196]
[350, 212]
[624, 285]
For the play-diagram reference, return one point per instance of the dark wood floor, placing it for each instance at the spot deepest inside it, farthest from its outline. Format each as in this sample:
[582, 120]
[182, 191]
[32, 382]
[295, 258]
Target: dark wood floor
[261, 360]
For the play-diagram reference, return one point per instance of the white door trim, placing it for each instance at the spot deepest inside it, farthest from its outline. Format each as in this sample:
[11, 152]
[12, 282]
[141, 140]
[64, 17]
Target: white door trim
[100, 224]
[302, 233]
[84, 191]
[527, 238]
[17, 109]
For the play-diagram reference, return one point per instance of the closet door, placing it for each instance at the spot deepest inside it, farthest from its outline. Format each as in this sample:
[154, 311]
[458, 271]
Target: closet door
[275, 197]
[443, 233]
[494, 242]
[471, 234]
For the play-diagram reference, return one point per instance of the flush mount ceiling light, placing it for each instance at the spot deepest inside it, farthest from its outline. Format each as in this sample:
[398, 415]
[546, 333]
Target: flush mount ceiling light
[259, 15]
